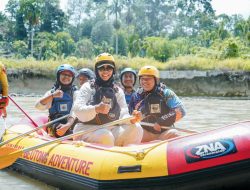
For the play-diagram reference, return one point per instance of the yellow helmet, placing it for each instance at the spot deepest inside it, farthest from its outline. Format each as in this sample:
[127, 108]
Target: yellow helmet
[104, 58]
[149, 70]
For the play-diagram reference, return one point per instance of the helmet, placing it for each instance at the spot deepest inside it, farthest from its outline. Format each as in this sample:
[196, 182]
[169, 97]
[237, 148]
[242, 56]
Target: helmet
[86, 72]
[149, 70]
[105, 58]
[65, 67]
[128, 70]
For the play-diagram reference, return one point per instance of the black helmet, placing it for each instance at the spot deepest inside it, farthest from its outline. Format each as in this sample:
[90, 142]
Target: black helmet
[86, 72]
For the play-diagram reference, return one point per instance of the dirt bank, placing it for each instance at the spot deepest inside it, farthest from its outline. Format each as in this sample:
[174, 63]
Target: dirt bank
[184, 83]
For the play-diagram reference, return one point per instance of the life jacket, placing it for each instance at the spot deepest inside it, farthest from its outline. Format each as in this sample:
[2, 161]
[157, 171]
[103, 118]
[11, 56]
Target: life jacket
[153, 105]
[62, 106]
[128, 97]
[105, 95]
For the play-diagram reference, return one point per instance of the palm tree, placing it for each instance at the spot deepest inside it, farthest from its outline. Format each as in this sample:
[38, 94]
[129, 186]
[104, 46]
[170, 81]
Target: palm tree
[31, 13]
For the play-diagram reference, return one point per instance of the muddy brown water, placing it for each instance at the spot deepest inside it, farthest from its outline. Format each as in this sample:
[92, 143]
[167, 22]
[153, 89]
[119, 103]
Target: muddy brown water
[202, 114]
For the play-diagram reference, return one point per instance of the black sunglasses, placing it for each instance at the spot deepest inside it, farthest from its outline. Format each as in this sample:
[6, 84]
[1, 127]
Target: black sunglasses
[107, 68]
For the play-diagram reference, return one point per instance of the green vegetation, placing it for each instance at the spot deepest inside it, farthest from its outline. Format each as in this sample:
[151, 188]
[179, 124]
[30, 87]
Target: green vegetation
[37, 34]
[181, 63]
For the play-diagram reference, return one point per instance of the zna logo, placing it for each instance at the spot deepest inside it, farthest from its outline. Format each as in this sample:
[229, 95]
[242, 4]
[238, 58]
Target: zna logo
[209, 150]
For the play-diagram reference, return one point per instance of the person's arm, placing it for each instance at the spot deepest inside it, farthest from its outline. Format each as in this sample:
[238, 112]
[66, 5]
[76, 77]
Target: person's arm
[45, 102]
[81, 109]
[124, 108]
[176, 112]
[4, 101]
[4, 82]
[61, 129]
[120, 96]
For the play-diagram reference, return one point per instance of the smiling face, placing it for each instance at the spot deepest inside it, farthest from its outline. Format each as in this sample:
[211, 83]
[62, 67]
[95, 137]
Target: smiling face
[147, 82]
[128, 79]
[82, 79]
[66, 77]
[105, 72]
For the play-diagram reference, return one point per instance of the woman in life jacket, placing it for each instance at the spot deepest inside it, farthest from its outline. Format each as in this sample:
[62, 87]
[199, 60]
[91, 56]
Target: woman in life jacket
[102, 101]
[84, 75]
[59, 100]
[128, 80]
[159, 105]
[4, 100]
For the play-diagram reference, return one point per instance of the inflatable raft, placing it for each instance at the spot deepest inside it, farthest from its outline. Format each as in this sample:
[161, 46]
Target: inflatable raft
[216, 159]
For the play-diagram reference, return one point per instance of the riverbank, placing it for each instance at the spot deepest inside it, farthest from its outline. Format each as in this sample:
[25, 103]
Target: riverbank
[184, 83]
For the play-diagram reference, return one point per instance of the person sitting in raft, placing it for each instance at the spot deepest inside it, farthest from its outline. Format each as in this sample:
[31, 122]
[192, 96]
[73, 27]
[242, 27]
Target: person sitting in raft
[103, 101]
[84, 75]
[128, 80]
[159, 105]
[4, 100]
[59, 101]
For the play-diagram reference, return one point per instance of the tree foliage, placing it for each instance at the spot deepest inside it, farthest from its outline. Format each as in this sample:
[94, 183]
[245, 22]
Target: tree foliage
[153, 28]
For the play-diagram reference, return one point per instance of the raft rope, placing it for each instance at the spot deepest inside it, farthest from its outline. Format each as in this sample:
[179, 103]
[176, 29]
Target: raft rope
[137, 154]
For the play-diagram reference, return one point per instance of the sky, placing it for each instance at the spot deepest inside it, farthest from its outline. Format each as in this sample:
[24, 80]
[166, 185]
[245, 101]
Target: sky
[228, 7]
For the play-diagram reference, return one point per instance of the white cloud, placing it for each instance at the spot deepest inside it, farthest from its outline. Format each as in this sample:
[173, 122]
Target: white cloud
[3, 4]
[231, 7]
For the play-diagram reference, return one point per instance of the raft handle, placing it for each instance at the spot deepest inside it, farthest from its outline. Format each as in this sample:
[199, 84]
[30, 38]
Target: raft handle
[129, 169]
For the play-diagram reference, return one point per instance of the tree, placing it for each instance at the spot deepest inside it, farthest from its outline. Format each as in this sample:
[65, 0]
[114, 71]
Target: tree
[84, 48]
[102, 32]
[65, 44]
[158, 48]
[52, 17]
[122, 46]
[31, 9]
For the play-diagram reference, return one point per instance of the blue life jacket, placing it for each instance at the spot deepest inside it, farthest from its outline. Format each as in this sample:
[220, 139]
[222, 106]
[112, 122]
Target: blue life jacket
[62, 106]
[128, 97]
[106, 95]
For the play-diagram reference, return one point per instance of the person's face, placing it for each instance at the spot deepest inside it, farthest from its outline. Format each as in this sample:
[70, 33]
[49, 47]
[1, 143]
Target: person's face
[147, 82]
[66, 77]
[128, 79]
[82, 79]
[105, 72]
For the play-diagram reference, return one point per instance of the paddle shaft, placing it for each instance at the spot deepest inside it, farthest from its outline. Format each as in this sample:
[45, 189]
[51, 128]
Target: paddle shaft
[165, 127]
[34, 123]
[33, 130]
[79, 133]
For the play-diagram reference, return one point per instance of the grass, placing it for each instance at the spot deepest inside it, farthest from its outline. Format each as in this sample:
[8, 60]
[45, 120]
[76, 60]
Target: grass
[181, 63]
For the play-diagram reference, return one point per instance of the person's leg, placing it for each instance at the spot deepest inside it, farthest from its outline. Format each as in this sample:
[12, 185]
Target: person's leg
[128, 134]
[171, 133]
[148, 136]
[101, 136]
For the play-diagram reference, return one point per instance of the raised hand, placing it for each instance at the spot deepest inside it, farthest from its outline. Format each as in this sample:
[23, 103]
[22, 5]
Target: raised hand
[137, 117]
[102, 108]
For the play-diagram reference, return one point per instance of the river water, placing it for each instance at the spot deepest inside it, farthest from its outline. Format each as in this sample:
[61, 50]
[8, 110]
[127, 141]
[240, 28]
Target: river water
[202, 114]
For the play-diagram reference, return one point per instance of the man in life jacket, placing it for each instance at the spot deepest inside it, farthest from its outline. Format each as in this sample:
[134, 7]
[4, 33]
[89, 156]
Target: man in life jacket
[128, 80]
[158, 104]
[59, 101]
[84, 75]
[4, 100]
[103, 101]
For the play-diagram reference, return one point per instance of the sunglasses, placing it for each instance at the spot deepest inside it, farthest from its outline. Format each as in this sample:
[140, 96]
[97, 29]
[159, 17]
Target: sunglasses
[66, 75]
[107, 68]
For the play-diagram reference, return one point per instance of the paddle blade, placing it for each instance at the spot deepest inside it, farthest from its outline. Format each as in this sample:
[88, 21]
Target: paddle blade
[8, 157]
[6, 150]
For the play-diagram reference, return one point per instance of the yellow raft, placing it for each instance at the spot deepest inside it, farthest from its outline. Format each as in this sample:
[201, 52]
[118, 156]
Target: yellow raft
[218, 158]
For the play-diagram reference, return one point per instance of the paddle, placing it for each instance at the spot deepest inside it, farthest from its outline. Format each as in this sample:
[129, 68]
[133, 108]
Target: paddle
[2, 129]
[9, 158]
[34, 123]
[33, 130]
[164, 127]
